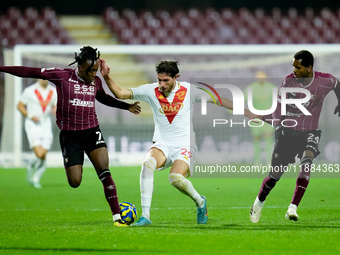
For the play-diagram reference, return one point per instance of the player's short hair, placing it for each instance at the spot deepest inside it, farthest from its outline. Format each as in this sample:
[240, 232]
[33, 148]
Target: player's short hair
[86, 53]
[169, 67]
[306, 57]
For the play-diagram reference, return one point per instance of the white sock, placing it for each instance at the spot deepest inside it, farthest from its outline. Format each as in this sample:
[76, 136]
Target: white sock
[257, 201]
[116, 217]
[31, 168]
[293, 207]
[40, 169]
[32, 164]
[146, 185]
[186, 187]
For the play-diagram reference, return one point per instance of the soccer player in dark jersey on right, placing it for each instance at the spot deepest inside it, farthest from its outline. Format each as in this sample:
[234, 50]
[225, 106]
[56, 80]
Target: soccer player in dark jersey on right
[77, 90]
[302, 137]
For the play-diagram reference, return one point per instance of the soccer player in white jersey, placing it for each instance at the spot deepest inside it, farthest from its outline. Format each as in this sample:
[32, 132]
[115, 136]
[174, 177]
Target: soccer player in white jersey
[36, 104]
[171, 102]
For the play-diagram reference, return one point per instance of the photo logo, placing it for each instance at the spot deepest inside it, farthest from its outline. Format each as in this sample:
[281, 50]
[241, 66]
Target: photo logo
[285, 98]
[238, 99]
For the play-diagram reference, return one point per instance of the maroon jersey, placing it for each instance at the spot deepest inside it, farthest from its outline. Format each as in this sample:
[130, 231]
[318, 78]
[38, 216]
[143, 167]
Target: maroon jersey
[320, 85]
[76, 99]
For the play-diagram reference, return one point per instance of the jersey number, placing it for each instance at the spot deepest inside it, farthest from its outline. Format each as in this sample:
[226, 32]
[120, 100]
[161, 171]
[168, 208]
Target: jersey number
[186, 153]
[312, 138]
[99, 135]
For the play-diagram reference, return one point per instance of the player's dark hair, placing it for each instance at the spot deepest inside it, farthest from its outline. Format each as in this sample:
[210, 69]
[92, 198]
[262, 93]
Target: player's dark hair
[306, 57]
[86, 53]
[169, 67]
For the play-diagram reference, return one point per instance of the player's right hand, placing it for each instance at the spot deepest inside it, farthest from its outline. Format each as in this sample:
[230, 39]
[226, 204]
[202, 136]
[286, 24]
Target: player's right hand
[104, 69]
[135, 108]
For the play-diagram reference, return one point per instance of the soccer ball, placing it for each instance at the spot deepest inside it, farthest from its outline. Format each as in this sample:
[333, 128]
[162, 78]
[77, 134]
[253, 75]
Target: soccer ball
[128, 212]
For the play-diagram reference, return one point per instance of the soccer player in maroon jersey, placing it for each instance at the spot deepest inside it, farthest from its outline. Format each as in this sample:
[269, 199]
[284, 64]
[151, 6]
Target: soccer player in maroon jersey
[302, 137]
[77, 90]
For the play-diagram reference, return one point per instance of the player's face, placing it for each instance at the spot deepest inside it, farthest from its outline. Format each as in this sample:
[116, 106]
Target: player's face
[300, 71]
[166, 83]
[88, 75]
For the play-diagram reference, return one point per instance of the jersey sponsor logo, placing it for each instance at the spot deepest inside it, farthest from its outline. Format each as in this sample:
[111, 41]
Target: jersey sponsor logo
[83, 89]
[171, 110]
[78, 102]
[174, 107]
[43, 102]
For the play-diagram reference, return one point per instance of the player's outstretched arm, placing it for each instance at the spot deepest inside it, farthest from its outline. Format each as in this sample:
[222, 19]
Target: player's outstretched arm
[229, 105]
[23, 71]
[113, 86]
[226, 103]
[251, 115]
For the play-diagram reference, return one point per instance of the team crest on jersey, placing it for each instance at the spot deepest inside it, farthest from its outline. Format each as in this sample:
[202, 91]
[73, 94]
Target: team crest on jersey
[181, 95]
[171, 109]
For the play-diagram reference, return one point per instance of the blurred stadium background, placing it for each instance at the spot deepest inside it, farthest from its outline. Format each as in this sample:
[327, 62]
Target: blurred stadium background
[258, 30]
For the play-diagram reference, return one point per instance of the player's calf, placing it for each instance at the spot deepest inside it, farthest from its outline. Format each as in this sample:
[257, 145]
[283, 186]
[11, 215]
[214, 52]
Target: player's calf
[186, 187]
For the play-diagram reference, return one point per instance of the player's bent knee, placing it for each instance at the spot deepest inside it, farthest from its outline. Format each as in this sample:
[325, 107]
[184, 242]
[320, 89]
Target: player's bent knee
[177, 180]
[150, 163]
[41, 156]
[74, 183]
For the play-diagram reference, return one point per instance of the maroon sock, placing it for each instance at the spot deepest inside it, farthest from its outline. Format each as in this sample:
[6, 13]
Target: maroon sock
[301, 184]
[110, 191]
[267, 185]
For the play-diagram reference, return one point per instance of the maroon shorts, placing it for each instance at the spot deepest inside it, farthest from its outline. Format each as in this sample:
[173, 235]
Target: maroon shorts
[74, 143]
[290, 143]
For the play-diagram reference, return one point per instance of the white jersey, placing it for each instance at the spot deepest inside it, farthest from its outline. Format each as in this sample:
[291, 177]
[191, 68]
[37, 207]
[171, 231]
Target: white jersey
[39, 103]
[173, 114]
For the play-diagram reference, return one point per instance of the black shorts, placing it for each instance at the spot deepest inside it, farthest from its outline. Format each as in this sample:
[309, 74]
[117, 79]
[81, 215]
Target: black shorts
[74, 143]
[290, 143]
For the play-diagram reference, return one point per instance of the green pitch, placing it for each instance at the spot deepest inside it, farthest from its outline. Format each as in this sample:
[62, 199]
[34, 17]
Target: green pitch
[60, 220]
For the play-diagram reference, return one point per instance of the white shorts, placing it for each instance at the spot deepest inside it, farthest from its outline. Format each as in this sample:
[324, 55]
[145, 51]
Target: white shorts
[39, 134]
[172, 153]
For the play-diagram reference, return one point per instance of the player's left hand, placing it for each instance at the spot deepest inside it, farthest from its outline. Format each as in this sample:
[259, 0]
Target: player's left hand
[35, 119]
[104, 69]
[135, 108]
[337, 110]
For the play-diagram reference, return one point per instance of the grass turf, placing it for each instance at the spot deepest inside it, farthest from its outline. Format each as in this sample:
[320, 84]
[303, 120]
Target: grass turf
[59, 219]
